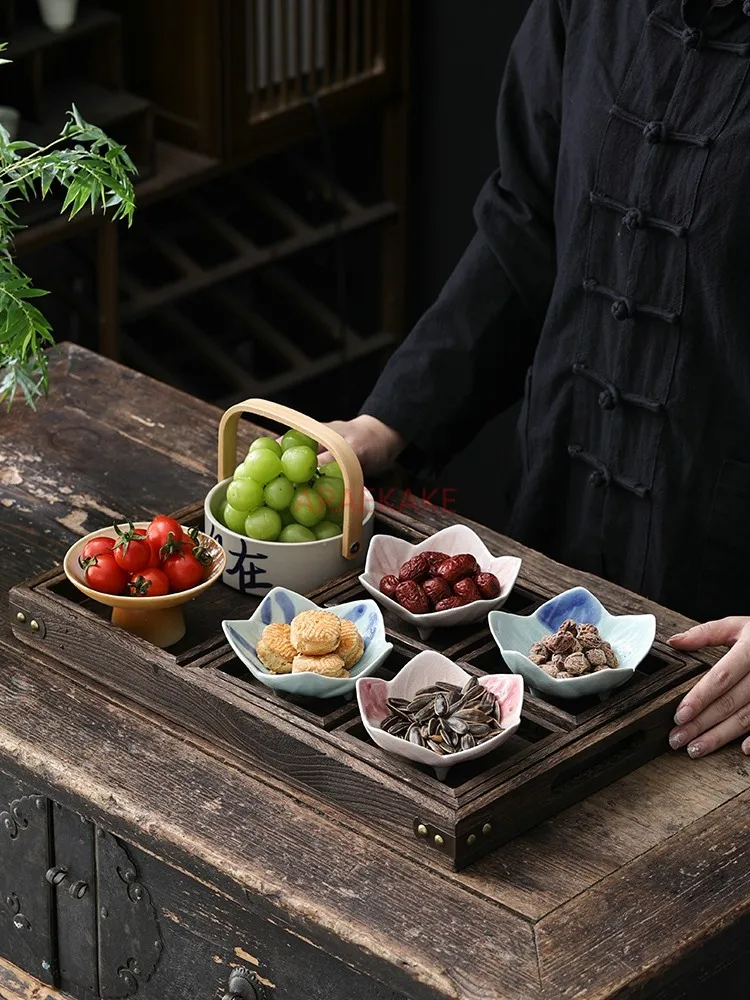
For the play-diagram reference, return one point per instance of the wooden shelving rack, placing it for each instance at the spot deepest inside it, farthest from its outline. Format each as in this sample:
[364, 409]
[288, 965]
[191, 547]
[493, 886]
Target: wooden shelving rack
[50, 72]
[212, 119]
[196, 269]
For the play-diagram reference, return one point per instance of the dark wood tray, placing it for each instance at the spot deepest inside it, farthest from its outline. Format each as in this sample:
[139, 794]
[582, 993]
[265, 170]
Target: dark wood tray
[561, 753]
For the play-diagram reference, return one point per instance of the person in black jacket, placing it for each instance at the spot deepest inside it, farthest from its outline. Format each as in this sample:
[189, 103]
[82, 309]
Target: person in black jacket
[610, 260]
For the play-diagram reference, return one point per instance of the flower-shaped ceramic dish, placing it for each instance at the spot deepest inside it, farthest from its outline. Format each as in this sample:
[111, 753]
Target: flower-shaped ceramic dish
[631, 637]
[159, 620]
[281, 605]
[426, 669]
[387, 555]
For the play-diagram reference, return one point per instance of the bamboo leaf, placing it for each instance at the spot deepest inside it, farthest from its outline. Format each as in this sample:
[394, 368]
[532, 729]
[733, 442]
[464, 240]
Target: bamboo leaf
[93, 170]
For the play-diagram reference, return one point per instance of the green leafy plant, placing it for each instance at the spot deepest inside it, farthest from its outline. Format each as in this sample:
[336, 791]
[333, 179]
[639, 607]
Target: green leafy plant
[95, 172]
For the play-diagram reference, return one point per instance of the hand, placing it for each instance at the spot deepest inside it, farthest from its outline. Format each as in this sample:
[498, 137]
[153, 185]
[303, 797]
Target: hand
[717, 710]
[376, 445]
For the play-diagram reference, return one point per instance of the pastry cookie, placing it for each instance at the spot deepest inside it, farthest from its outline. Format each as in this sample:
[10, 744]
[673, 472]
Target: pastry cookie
[315, 632]
[329, 665]
[351, 645]
[275, 649]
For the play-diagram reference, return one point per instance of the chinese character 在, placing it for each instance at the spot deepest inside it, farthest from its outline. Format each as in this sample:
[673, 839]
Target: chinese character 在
[244, 567]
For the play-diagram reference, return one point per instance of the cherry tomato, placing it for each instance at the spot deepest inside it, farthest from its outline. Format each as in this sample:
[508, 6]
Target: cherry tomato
[132, 550]
[99, 544]
[184, 570]
[103, 574]
[158, 534]
[149, 582]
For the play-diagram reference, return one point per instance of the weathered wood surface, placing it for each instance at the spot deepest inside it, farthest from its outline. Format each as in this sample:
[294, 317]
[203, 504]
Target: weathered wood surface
[259, 846]
[18, 985]
[627, 894]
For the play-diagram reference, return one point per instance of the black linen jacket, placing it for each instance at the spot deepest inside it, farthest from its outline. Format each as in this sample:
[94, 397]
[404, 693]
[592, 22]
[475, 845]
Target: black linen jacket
[612, 257]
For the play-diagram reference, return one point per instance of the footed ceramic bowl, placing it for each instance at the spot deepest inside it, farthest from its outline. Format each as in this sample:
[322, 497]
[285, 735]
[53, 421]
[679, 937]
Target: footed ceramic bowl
[387, 554]
[631, 637]
[281, 605]
[426, 669]
[158, 620]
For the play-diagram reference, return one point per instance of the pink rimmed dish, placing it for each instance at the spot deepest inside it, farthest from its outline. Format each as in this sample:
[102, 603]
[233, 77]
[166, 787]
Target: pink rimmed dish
[426, 669]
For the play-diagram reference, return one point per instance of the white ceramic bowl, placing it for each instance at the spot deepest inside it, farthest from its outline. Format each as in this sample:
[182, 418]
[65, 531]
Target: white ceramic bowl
[387, 554]
[426, 669]
[282, 605]
[255, 567]
[631, 637]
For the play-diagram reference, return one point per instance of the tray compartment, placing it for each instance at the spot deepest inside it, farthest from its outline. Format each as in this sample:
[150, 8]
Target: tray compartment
[322, 713]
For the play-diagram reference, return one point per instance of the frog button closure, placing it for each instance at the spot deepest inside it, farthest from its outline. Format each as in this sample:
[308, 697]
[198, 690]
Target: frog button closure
[621, 310]
[655, 132]
[633, 219]
[692, 38]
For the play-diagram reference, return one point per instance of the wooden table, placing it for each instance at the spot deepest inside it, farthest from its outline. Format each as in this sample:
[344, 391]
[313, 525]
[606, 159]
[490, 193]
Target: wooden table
[642, 890]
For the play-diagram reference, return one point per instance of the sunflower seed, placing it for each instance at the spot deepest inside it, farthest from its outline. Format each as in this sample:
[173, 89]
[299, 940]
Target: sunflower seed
[479, 729]
[414, 736]
[458, 725]
[444, 717]
[419, 702]
[470, 715]
[424, 713]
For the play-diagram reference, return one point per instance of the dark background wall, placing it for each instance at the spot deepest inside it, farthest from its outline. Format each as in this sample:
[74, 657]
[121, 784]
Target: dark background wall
[459, 51]
[460, 48]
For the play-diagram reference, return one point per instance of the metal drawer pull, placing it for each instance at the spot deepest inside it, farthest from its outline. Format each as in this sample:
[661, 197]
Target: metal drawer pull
[244, 985]
[78, 890]
[56, 875]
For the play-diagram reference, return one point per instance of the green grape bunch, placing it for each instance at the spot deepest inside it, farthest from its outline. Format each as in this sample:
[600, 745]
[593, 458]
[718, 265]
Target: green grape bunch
[278, 493]
[94, 172]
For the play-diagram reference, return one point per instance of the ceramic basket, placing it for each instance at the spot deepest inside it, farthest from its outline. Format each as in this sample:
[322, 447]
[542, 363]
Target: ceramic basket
[255, 567]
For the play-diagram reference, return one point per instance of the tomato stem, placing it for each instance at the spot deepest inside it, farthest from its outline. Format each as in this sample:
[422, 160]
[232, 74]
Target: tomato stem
[201, 553]
[124, 538]
[171, 547]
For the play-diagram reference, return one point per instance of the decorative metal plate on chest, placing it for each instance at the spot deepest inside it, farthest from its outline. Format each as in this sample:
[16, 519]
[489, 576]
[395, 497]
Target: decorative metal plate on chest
[19, 815]
[130, 944]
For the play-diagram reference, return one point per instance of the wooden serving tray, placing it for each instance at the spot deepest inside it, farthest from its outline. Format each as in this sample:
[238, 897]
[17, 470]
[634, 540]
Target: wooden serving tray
[562, 752]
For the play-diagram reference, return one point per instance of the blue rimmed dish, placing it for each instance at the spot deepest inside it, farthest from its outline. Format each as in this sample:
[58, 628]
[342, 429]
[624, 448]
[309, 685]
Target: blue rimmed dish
[281, 605]
[631, 637]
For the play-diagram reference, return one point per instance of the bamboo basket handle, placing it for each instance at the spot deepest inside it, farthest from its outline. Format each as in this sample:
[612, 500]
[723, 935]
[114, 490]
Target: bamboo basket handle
[342, 451]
